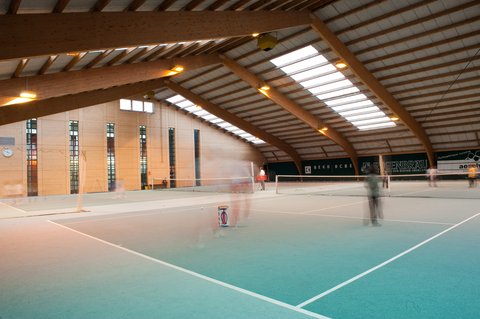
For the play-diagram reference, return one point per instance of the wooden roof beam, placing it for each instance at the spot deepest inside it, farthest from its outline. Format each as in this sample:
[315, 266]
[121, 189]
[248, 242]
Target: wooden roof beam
[100, 5]
[373, 84]
[80, 32]
[98, 58]
[165, 5]
[233, 119]
[13, 7]
[20, 66]
[63, 83]
[76, 58]
[134, 5]
[60, 6]
[292, 107]
[47, 64]
[22, 112]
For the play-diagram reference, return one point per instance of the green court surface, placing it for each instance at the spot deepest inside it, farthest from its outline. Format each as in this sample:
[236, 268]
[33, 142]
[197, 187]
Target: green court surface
[294, 257]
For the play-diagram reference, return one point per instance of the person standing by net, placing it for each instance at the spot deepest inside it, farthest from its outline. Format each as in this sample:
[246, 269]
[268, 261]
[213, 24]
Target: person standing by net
[432, 176]
[372, 183]
[261, 178]
[472, 175]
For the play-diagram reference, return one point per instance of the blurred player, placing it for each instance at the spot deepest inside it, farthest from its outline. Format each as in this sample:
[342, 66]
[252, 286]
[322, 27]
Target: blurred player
[373, 190]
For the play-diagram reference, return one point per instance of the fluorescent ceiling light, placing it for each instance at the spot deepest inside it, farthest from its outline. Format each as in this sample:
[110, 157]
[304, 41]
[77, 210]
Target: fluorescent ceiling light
[184, 104]
[306, 64]
[177, 98]
[294, 56]
[371, 121]
[348, 99]
[363, 116]
[376, 126]
[363, 110]
[323, 80]
[350, 106]
[338, 93]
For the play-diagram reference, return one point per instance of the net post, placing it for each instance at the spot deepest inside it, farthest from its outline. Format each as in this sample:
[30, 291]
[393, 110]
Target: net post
[276, 184]
[252, 173]
[388, 185]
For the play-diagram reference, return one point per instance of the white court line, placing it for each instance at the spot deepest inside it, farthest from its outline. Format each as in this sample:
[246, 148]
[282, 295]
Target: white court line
[12, 207]
[309, 213]
[363, 274]
[115, 217]
[195, 274]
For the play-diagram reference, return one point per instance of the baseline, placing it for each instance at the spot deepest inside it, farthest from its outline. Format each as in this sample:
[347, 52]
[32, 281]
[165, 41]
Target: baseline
[194, 274]
[363, 274]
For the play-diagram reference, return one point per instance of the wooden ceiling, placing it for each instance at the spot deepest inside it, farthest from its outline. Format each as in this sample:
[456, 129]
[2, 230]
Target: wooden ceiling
[417, 60]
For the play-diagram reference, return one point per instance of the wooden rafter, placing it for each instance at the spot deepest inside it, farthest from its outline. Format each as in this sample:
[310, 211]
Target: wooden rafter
[52, 85]
[155, 53]
[192, 5]
[137, 55]
[259, 5]
[277, 5]
[171, 53]
[134, 5]
[100, 5]
[60, 6]
[119, 56]
[22, 112]
[98, 58]
[217, 4]
[165, 5]
[129, 29]
[373, 84]
[188, 50]
[47, 64]
[203, 48]
[73, 61]
[292, 107]
[13, 7]
[233, 119]
[237, 5]
[20, 66]
[167, 50]
[288, 5]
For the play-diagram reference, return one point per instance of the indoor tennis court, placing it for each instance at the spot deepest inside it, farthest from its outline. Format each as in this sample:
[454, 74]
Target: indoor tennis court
[295, 256]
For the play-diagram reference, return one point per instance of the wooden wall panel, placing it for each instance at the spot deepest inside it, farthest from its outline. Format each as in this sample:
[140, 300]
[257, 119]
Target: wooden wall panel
[221, 154]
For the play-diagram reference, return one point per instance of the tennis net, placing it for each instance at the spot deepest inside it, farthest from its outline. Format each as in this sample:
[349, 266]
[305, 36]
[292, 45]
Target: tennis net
[243, 184]
[444, 185]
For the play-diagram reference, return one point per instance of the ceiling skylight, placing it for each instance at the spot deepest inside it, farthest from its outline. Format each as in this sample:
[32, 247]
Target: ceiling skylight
[321, 78]
[190, 107]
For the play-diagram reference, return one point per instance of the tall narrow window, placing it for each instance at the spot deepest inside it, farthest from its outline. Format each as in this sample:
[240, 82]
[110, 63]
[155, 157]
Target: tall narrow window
[196, 141]
[74, 157]
[143, 156]
[111, 177]
[171, 149]
[32, 171]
